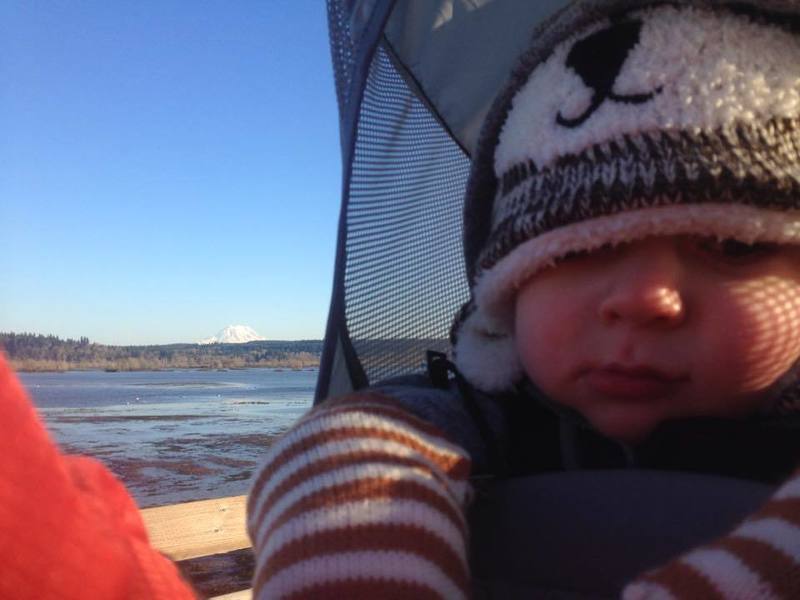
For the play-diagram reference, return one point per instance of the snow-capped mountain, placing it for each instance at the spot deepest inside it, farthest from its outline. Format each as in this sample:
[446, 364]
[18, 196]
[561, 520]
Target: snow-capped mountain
[234, 334]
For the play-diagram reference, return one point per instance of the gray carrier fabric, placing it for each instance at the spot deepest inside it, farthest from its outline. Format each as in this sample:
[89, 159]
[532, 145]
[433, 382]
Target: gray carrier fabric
[594, 531]
[413, 81]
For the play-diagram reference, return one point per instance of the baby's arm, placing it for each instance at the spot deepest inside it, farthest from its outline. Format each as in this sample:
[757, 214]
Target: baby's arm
[759, 559]
[360, 499]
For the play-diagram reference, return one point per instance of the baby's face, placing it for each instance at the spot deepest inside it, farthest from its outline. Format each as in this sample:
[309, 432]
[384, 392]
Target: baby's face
[665, 328]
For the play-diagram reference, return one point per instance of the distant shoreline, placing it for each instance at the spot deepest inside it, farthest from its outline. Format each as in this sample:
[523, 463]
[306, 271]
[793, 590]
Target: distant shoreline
[25, 366]
[164, 369]
[32, 353]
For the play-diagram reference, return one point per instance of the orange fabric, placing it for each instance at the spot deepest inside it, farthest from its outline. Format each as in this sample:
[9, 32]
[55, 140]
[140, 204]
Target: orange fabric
[68, 527]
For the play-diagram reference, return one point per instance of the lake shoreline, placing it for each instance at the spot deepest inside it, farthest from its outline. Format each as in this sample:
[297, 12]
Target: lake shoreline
[69, 369]
[34, 353]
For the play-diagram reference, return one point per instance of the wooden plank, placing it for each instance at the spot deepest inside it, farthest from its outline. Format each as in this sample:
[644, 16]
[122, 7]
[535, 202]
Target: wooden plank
[240, 595]
[219, 574]
[198, 528]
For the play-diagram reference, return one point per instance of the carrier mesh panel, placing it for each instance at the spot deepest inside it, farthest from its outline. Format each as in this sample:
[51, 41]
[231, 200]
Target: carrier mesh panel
[342, 49]
[404, 272]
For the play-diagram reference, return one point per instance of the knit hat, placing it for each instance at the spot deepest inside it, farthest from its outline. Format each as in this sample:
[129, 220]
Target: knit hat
[625, 120]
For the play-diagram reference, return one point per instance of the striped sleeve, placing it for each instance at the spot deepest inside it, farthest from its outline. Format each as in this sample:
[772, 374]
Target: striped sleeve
[758, 560]
[360, 499]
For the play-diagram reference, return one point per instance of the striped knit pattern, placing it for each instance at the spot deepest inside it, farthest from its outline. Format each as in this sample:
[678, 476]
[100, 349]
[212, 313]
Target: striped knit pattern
[361, 500]
[759, 560]
[752, 164]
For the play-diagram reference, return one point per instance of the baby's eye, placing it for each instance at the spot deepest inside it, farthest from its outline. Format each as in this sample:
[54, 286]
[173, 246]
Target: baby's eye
[735, 251]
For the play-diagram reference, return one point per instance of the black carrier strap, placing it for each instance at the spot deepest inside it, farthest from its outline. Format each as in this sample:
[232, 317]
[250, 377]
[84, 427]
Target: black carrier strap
[439, 370]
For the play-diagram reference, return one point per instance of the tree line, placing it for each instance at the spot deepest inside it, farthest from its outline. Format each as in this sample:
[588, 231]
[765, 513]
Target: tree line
[36, 352]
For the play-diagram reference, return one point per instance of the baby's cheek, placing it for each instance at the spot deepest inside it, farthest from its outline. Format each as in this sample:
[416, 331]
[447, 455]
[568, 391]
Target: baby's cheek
[541, 346]
[764, 330]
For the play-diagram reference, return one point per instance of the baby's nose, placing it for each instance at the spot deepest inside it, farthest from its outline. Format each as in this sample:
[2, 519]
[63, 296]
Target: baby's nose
[646, 290]
[657, 305]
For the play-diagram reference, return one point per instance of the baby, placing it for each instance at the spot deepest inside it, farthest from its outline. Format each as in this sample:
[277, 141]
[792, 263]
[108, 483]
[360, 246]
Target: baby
[661, 329]
[632, 242]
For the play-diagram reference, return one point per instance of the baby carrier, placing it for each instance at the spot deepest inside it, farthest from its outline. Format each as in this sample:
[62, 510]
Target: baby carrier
[414, 81]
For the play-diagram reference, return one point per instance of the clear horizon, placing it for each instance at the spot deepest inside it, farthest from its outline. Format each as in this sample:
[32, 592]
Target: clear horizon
[198, 341]
[167, 170]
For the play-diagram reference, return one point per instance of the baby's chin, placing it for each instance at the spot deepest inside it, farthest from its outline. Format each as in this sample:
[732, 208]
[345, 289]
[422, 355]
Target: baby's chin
[629, 429]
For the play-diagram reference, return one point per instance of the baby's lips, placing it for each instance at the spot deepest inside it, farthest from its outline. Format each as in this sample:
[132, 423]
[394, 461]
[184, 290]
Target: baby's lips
[638, 382]
[644, 371]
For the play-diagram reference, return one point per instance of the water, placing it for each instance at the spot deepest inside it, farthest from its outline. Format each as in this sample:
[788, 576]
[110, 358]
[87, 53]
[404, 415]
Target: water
[173, 436]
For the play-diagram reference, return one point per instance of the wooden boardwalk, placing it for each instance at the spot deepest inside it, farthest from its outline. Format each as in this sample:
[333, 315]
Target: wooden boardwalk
[209, 541]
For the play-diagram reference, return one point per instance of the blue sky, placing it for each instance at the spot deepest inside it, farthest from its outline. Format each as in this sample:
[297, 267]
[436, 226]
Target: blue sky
[167, 168]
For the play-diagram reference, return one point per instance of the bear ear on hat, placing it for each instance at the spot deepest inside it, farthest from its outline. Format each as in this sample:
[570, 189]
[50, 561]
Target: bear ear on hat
[487, 359]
